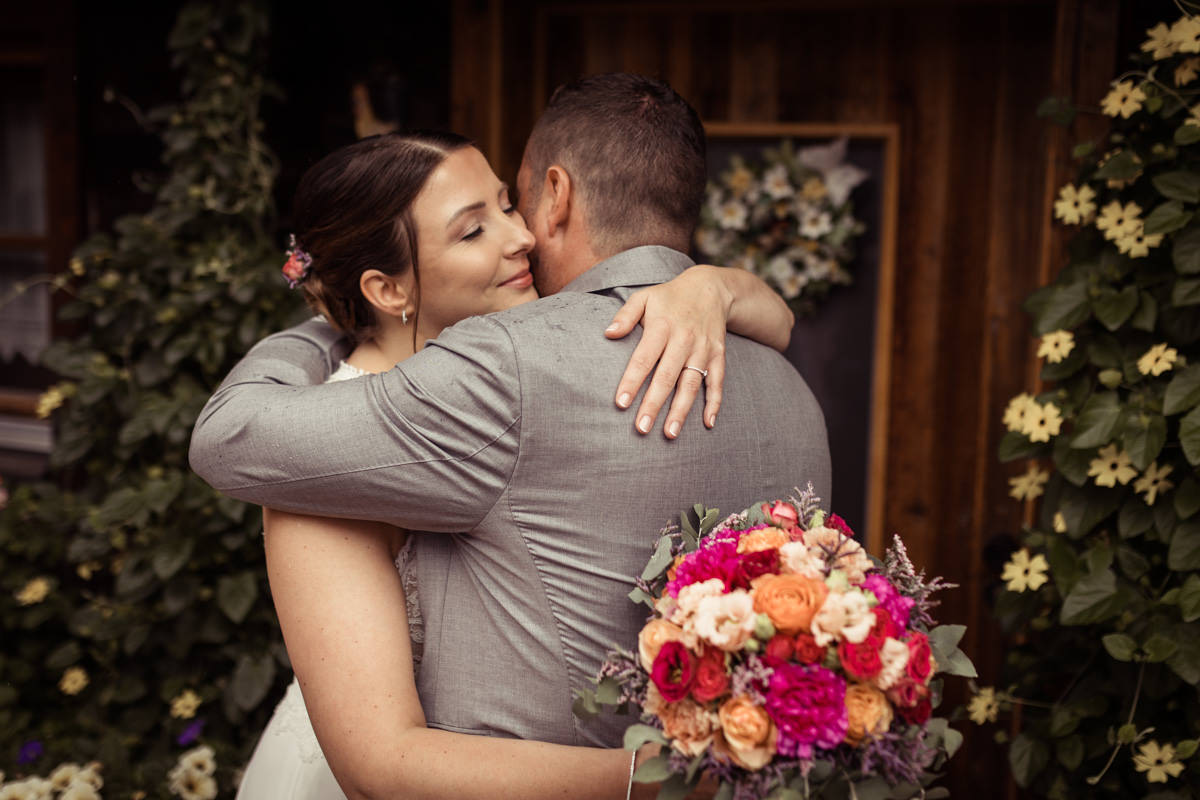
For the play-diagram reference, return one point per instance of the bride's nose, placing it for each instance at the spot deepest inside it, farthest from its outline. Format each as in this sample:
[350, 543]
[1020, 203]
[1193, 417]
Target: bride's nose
[522, 240]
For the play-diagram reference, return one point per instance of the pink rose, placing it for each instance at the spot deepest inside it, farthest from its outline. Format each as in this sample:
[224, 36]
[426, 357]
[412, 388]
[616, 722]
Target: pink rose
[918, 714]
[920, 658]
[782, 514]
[907, 694]
[673, 672]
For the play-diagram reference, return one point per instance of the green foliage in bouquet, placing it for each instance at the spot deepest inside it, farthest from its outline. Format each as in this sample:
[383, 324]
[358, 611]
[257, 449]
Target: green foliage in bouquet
[133, 603]
[1103, 601]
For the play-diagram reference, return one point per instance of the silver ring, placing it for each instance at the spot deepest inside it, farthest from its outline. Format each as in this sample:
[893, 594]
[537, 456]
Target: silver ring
[703, 372]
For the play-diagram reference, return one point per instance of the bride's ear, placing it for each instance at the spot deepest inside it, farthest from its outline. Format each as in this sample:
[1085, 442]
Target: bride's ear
[557, 192]
[387, 293]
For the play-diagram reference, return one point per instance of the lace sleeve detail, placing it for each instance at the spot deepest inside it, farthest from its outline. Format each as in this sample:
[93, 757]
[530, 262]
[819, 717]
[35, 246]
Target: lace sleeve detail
[406, 562]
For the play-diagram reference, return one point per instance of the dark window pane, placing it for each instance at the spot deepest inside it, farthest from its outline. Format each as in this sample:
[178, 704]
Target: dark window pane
[22, 152]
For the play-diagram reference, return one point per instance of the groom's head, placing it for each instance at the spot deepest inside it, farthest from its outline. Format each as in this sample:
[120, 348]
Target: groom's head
[614, 162]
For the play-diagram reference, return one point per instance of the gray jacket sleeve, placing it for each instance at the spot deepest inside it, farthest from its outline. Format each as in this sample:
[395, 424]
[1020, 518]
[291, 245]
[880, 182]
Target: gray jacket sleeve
[429, 445]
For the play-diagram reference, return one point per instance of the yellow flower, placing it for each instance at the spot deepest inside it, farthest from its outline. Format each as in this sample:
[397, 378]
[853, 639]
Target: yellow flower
[1154, 481]
[184, 705]
[1186, 34]
[739, 180]
[984, 706]
[1187, 71]
[1157, 360]
[74, 680]
[1157, 761]
[1042, 422]
[33, 592]
[1123, 100]
[1136, 243]
[51, 399]
[1023, 572]
[1075, 206]
[1116, 220]
[87, 569]
[1060, 522]
[76, 266]
[1029, 485]
[1017, 411]
[1111, 466]
[1056, 346]
[813, 189]
[1160, 44]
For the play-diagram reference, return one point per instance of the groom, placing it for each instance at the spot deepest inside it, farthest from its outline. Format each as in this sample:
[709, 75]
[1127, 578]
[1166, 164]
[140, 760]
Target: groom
[500, 437]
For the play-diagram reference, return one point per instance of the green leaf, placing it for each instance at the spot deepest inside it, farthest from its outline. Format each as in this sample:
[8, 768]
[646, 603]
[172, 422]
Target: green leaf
[252, 680]
[1147, 313]
[236, 595]
[1168, 217]
[1058, 110]
[1091, 599]
[638, 595]
[1133, 564]
[1186, 292]
[943, 641]
[1184, 552]
[873, 788]
[674, 788]
[1189, 599]
[1120, 646]
[951, 740]
[1136, 518]
[1014, 446]
[1185, 251]
[170, 556]
[608, 691]
[1187, 498]
[1072, 463]
[1069, 752]
[1121, 166]
[1063, 721]
[1059, 307]
[1144, 438]
[64, 656]
[1027, 757]
[1183, 392]
[1159, 648]
[1187, 133]
[1097, 420]
[638, 735]
[654, 770]
[118, 507]
[659, 561]
[1112, 308]
[1082, 150]
[1186, 749]
[1186, 661]
[1178, 185]
[585, 705]
[1189, 436]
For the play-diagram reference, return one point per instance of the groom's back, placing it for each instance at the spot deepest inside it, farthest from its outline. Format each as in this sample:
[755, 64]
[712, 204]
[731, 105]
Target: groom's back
[522, 609]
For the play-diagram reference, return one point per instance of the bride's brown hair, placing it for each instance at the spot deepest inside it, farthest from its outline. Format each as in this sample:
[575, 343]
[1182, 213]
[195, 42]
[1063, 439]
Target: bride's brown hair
[353, 212]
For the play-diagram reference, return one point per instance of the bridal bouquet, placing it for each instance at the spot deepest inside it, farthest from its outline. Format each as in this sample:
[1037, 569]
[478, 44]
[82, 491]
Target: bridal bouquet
[784, 661]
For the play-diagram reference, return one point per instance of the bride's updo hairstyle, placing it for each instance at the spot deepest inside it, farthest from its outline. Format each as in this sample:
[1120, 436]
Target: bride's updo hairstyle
[353, 212]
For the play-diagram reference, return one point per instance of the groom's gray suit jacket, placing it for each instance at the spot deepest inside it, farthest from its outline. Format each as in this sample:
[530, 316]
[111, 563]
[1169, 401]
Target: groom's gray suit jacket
[502, 439]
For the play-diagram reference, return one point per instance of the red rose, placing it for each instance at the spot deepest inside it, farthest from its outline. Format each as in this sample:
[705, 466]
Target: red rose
[918, 714]
[885, 627]
[752, 565]
[907, 694]
[779, 649]
[920, 658]
[806, 649]
[861, 661]
[673, 672]
[839, 524]
[782, 514]
[712, 678]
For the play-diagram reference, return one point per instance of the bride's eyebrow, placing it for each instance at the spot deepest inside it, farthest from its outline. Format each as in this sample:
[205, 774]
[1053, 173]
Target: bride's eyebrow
[475, 206]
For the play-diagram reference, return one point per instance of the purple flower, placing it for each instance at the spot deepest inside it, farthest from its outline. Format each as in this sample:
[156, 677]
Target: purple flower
[191, 733]
[808, 705]
[896, 604]
[31, 751]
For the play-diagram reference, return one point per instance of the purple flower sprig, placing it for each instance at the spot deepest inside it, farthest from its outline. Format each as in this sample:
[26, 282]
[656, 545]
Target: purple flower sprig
[30, 752]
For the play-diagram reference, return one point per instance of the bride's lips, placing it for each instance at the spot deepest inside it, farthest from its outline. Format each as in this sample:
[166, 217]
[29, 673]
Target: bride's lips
[522, 280]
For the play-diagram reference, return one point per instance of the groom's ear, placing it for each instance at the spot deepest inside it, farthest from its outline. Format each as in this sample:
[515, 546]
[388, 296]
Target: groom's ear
[557, 194]
[387, 293]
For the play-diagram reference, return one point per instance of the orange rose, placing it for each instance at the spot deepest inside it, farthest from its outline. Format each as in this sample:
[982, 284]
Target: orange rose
[675, 566]
[765, 539]
[657, 633]
[790, 601]
[747, 734]
[869, 711]
[689, 725]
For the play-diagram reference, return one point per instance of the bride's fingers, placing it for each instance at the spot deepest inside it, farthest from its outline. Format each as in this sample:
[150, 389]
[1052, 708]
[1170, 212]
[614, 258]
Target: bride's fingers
[714, 386]
[688, 388]
[670, 365]
[654, 341]
[628, 317]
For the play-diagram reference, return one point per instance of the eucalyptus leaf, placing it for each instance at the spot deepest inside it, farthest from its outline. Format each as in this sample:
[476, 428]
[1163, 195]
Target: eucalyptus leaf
[638, 735]
[608, 691]
[659, 561]
[653, 770]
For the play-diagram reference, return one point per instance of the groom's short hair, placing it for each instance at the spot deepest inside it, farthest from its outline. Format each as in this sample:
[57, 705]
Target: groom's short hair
[635, 151]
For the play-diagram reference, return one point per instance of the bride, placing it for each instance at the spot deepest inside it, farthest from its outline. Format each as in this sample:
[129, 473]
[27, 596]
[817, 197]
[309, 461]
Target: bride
[398, 237]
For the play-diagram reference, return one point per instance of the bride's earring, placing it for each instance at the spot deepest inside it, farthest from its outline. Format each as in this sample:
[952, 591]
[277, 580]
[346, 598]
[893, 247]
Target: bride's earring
[404, 316]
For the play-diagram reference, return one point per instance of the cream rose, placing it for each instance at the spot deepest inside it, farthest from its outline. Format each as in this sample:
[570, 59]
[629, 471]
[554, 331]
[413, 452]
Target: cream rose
[747, 734]
[843, 616]
[797, 558]
[868, 710]
[657, 633]
[894, 656]
[726, 621]
[839, 552]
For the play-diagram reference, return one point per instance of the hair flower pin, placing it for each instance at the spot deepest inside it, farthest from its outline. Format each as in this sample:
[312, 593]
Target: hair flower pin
[298, 264]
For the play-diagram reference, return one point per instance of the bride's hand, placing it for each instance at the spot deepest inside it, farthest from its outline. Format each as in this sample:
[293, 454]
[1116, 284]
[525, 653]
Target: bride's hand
[684, 323]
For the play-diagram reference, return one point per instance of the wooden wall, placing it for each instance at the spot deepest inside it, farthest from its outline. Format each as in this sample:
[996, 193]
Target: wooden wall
[978, 172]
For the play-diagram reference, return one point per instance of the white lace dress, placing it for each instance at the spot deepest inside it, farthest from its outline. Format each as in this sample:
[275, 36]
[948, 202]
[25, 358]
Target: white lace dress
[288, 763]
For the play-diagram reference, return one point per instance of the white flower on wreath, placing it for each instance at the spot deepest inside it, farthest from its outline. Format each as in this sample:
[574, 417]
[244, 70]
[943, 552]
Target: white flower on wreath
[815, 223]
[793, 286]
[829, 160]
[709, 241]
[820, 269]
[781, 268]
[744, 261]
[732, 216]
[777, 183]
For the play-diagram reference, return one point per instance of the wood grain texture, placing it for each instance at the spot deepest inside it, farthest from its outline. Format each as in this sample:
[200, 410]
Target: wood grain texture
[975, 179]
